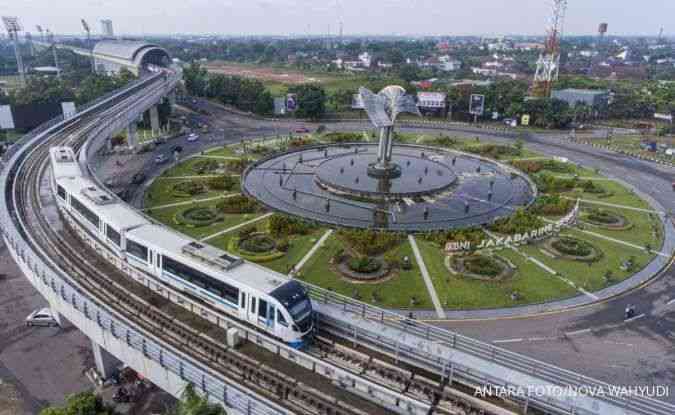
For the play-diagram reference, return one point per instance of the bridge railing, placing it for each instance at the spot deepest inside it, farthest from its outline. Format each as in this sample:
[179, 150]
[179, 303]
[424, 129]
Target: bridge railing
[431, 360]
[52, 282]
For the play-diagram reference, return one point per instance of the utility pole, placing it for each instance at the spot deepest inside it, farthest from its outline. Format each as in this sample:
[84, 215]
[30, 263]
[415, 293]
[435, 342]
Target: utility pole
[13, 28]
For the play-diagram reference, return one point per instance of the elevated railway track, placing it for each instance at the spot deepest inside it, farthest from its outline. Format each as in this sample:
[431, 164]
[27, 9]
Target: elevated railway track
[353, 369]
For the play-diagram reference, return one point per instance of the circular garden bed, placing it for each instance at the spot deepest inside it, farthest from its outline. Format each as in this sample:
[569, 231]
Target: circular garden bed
[573, 248]
[480, 267]
[606, 219]
[198, 216]
[188, 189]
[363, 269]
[257, 247]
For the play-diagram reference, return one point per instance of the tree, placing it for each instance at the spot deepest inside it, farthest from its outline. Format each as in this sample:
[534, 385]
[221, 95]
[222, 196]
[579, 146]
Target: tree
[193, 404]
[311, 101]
[196, 79]
[85, 403]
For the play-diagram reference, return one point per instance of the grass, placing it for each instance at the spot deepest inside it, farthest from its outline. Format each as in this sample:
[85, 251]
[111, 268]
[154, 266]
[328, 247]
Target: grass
[166, 216]
[161, 193]
[618, 195]
[591, 277]
[394, 293]
[532, 284]
[646, 228]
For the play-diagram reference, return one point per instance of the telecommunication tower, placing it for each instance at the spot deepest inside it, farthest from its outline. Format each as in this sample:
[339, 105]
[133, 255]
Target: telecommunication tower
[87, 30]
[602, 30]
[13, 28]
[548, 65]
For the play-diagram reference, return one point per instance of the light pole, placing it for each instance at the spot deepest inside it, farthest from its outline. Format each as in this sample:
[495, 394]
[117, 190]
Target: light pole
[13, 28]
[87, 29]
[50, 39]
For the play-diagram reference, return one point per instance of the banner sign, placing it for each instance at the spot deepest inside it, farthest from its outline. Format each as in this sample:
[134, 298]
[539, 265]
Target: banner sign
[504, 241]
[477, 104]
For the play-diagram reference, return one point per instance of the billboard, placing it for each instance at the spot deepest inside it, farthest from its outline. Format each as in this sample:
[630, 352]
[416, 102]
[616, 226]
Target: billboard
[525, 120]
[68, 109]
[291, 102]
[432, 99]
[476, 104]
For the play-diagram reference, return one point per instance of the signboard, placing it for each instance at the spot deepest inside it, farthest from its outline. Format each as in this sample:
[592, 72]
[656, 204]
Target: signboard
[431, 99]
[357, 102]
[525, 120]
[68, 109]
[279, 106]
[291, 102]
[6, 118]
[505, 241]
[477, 104]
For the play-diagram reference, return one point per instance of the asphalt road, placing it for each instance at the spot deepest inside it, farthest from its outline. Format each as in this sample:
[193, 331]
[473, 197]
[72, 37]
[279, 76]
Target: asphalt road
[593, 340]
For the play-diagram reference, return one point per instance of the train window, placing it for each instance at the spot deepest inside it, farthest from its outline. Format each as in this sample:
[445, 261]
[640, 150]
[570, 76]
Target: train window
[280, 319]
[86, 213]
[253, 304]
[61, 192]
[242, 304]
[262, 308]
[137, 250]
[177, 269]
[113, 235]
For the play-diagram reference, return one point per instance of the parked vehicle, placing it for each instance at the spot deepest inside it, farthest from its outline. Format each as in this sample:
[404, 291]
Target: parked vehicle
[192, 138]
[42, 317]
[160, 159]
[302, 129]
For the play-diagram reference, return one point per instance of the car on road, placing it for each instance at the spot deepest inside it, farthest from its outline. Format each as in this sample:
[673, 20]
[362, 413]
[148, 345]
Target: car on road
[302, 129]
[42, 317]
[138, 178]
[192, 138]
[160, 159]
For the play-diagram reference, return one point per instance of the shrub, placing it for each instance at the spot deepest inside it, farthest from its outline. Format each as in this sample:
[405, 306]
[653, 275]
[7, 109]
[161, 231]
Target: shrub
[473, 235]
[281, 225]
[257, 244]
[528, 166]
[482, 265]
[603, 216]
[238, 165]
[550, 184]
[205, 166]
[246, 232]
[365, 265]
[573, 247]
[552, 205]
[368, 242]
[493, 150]
[222, 183]
[343, 137]
[519, 222]
[198, 216]
[188, 188]
[238, 204]
[283, 245]
[591, 187]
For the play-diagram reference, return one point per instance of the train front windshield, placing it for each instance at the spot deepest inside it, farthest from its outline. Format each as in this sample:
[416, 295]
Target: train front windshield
[293, 296]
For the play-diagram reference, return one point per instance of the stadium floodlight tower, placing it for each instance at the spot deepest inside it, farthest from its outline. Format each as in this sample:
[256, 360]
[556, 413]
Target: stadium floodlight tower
[41, 32]
[548, 65]
[13, 28]
[383, 109]
[87, 30]
[50, 39]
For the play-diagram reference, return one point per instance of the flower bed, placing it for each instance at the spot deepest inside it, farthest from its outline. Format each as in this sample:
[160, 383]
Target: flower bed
[255, 247]
[480, 267]
[188, 189]
[198, 217]
[205, 166]
[573, 248]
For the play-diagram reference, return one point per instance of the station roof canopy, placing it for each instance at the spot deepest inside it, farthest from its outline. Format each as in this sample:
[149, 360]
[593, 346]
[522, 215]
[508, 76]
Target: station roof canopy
[129, 50]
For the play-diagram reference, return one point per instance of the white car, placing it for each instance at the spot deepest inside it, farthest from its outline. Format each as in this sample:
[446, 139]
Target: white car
[192, 138]
[42, 317]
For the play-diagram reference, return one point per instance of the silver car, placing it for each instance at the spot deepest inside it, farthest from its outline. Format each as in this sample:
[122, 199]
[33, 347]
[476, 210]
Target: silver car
[42, 317]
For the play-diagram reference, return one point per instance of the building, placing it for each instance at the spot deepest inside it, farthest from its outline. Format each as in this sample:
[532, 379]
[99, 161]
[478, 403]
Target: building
[107, 28]
[596, 99]
[435, 103]
[110, 56]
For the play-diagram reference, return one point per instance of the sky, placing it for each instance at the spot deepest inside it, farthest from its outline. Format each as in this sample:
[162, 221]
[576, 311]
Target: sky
[403, 17]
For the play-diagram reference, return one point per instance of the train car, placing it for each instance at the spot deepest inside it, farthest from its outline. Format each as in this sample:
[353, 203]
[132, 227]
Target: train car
[260, 297]
[97, 211]
[267, 300]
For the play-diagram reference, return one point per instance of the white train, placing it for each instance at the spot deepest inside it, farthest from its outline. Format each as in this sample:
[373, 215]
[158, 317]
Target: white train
[260, 297]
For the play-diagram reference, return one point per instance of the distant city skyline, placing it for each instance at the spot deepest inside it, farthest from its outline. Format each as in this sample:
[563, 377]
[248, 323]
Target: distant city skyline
[319, 17]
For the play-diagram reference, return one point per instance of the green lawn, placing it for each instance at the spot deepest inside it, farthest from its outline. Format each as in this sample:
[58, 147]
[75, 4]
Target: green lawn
[161, 193]
[533, 284]
[167, 215]
[646, 228]
[591, 277]
[394, 293]
[225, 151]
[619, 195]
